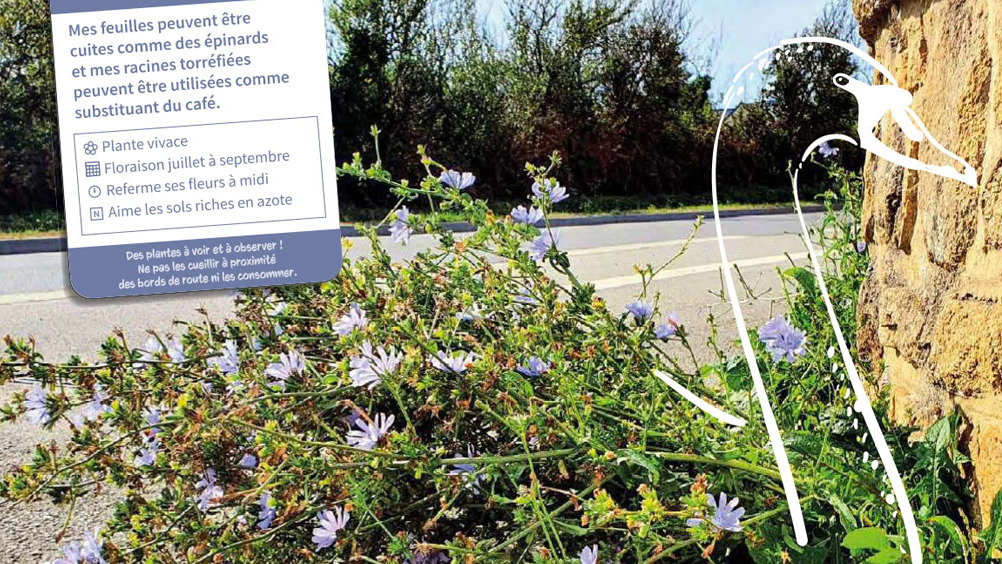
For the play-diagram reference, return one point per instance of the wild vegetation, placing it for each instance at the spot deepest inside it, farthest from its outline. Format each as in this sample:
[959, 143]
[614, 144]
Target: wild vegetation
[479, 403]
[475, 404]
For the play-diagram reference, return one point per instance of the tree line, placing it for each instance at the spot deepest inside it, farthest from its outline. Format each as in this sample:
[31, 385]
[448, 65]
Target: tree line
[612, 85]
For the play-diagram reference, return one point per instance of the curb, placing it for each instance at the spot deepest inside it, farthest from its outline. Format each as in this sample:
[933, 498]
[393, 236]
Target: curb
[58, 244]
[32, 246]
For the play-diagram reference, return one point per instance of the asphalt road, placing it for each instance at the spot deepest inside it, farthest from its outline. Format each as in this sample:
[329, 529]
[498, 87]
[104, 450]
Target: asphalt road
[35, 301]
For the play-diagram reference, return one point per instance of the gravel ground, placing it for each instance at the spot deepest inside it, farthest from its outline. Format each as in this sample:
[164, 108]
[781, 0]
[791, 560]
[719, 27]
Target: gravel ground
[28, 531]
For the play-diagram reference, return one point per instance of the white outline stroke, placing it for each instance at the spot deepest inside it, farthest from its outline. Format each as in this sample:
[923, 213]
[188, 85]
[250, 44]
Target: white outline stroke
[699, 402]
[868, 99]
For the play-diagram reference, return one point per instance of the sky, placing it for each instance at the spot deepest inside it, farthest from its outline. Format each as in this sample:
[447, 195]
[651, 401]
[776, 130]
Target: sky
[746, 27]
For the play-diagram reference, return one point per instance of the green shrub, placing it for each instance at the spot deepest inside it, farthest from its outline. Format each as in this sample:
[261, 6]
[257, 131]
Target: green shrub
[470, 405]
[38, 221]
[614, 85]
[30, 177]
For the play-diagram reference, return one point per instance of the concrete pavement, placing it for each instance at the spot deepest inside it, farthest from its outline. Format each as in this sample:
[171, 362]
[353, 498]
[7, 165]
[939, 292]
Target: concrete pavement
[35, 299]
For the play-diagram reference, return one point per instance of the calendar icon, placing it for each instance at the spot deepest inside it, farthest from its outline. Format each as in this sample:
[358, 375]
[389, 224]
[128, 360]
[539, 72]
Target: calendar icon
[92, 169]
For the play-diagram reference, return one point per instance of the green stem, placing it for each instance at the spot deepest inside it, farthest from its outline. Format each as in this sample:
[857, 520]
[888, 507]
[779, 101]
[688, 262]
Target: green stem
[698, 459]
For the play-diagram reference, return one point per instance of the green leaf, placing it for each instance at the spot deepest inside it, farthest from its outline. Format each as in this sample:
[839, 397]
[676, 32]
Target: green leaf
[804, 278]
[886, 556]
[571, 528]
[953, 531]
[736, 376]
[634, 457]
[844, 514]
[938, 435]
[873, 538]
[993, 534]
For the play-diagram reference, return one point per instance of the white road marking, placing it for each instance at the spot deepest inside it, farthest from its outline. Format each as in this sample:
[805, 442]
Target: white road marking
[634, 279]
[13, 299]
[603, 284]
[641, 246]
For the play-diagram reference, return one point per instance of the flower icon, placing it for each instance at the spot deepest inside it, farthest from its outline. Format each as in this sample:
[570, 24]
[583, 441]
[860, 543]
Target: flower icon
[90, 148]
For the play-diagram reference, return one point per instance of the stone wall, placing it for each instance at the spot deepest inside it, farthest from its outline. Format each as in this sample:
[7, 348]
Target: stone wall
[931, 311]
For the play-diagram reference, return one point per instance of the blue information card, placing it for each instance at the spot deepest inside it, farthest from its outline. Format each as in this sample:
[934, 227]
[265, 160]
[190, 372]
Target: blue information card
[198, 149]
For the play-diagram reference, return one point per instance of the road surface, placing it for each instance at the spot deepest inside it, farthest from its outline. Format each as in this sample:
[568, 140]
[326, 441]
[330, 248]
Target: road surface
[35, 301]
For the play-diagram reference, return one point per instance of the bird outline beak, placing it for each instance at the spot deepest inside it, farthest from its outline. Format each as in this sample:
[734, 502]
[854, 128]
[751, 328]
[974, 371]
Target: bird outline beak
[876, 101]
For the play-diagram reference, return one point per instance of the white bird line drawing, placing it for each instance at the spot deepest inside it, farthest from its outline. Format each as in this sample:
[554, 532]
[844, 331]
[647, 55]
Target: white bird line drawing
[699, 402]
[874, 102]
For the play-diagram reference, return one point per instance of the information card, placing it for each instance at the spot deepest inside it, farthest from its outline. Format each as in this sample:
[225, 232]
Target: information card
[197, 144]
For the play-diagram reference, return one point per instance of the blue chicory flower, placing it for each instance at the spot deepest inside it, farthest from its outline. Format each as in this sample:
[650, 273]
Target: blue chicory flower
[400, 230]
[90, 552]
[726, 515]
[367, 369]
[153, 417]
[541, 245]
[467, 471]
[152, 349]
[87, 553]
[669, 328]
[354, 319]
[456, 363]
[772, 329]
[229, 362]
[175, 350]
[524, 297]
[457, 180]
[470, 314]
[148, 455]
[36, 409]
[248, 460]
[550, 189]
[288, 365]
[782, 340]
[641, 310]
[331, 522]
[209, 490]
[267, 513]
[278, 307]
[534, 367]
[235, 386]
[827, 151]
[428, 556]
[351, 418]
[95, 408]
[530, 216]
[71, 554]
[368, 435]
